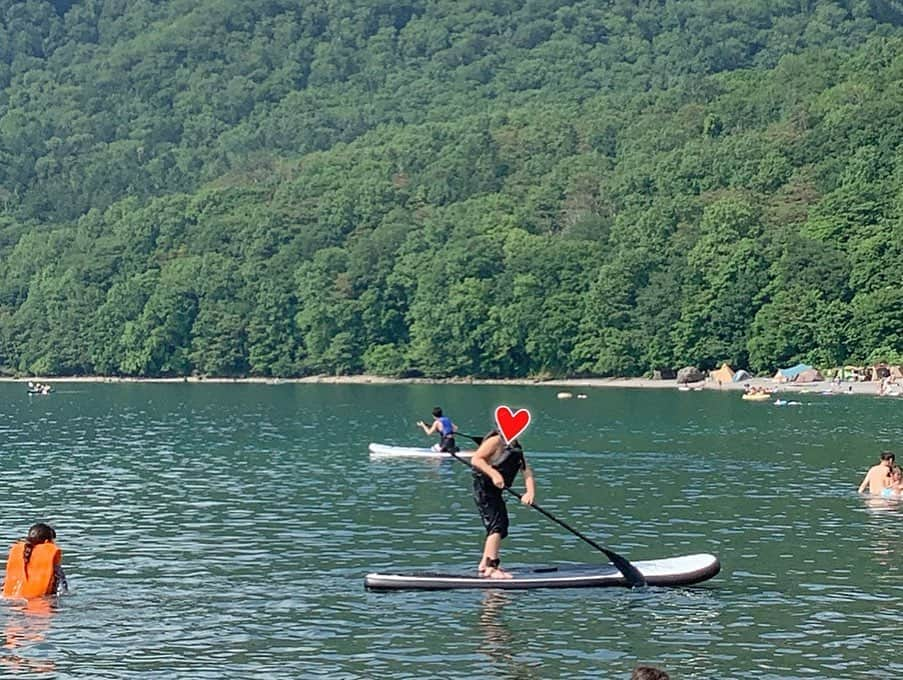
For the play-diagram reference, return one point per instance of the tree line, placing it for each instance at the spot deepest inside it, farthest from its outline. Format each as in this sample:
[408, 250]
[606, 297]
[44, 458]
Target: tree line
[494, 189]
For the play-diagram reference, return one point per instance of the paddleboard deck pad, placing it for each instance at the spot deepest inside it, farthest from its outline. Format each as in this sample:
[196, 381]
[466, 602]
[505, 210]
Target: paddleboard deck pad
[672, 571]
[386, 451]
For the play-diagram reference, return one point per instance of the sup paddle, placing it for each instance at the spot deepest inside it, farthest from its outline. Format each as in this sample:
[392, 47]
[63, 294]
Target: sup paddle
[634, 578]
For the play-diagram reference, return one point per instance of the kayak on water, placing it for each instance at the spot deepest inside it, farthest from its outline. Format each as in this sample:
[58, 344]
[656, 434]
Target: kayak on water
[672, 571]
[387, 451]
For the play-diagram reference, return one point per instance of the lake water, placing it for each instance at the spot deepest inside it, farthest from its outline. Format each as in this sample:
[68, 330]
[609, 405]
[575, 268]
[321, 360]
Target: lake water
[215, 531]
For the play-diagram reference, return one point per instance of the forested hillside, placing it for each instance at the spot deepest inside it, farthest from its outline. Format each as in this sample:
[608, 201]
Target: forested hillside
[496, 188]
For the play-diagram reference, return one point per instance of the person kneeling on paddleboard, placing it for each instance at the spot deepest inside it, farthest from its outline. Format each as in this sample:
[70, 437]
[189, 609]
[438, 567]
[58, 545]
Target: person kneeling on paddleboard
[495, 465]
[446, 429]
[33, 566]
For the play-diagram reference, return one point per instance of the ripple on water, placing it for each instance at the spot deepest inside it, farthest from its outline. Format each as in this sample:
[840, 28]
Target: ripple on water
[224, 531]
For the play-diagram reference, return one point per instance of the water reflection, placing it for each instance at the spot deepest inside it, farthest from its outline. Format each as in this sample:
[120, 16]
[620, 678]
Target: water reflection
[222, 531]
[882, 532]
[880, 504]
[499, 641]
[26, 627]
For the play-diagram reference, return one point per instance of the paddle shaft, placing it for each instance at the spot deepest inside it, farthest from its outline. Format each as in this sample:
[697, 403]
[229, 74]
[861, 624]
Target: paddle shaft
[634, 578]
[631, 573]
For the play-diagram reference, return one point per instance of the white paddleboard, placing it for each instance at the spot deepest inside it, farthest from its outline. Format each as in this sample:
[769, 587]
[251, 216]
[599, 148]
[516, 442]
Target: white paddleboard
[671, 571]
[387, 451]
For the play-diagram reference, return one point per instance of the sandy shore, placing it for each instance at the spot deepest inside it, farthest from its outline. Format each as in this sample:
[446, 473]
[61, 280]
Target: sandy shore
[566, 384]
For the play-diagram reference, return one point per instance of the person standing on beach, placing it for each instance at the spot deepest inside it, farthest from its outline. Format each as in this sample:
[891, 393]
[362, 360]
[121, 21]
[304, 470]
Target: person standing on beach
[878, 476]
[495, 465]
[445, 428]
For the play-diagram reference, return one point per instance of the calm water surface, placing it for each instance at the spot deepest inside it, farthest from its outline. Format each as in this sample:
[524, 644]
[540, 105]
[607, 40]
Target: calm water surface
[215, 531]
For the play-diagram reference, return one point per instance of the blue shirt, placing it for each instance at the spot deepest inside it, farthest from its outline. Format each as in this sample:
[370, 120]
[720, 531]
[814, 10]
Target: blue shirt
[446, 429]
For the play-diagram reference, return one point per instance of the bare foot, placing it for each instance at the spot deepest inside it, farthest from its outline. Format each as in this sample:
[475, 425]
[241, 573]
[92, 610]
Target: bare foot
[496, 572]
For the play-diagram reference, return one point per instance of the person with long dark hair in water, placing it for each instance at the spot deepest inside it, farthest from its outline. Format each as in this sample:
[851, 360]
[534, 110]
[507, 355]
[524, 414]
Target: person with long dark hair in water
[34, 566]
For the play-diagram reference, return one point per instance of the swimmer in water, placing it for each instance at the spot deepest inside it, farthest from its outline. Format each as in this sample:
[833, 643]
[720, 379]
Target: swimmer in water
[34, 566]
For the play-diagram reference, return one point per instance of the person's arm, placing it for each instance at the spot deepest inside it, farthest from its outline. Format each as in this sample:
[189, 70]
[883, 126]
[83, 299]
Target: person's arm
[480, 460]
[530, 484]
[428, 430]
[62, 585]
[865, 482]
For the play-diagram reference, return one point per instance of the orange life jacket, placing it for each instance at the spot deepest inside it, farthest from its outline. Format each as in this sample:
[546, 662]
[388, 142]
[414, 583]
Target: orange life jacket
[40, 579]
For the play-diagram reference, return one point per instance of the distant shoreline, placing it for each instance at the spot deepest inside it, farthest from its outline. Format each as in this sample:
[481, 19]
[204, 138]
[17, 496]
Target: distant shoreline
[570, 383]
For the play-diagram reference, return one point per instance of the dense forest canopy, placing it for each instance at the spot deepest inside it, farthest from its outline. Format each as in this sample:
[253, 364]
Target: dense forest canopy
[501, 188]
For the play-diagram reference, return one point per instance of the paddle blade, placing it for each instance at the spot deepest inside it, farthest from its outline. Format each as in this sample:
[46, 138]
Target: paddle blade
[631, 574]
[634, 577]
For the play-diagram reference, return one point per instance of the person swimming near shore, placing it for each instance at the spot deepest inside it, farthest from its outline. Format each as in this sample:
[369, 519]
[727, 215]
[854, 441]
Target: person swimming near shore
[895, 485]
[878, 476]
[34, 565]
[39, 388]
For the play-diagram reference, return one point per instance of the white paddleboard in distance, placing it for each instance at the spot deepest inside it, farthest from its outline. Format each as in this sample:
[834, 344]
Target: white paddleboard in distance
[671, 571]
[387, 451]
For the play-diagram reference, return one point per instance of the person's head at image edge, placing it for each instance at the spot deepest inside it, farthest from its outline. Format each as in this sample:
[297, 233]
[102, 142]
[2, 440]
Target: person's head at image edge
[648, 673]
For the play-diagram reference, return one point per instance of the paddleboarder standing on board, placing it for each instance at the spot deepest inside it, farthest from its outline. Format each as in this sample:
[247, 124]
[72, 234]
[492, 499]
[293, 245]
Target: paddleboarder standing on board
[445, 428]
[496, 464]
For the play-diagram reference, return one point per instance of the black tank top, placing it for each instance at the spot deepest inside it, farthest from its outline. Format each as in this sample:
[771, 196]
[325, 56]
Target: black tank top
[512, 462]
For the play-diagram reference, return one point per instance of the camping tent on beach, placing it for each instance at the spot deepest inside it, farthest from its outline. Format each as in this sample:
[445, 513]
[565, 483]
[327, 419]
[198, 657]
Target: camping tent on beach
[789, 374]
[809, 375]
[724, 374]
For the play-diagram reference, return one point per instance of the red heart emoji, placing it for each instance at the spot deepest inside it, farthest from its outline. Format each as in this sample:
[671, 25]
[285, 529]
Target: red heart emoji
[511, 424]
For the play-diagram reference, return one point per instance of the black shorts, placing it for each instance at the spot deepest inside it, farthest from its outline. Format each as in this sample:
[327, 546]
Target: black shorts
[491, 505]
[448, 444]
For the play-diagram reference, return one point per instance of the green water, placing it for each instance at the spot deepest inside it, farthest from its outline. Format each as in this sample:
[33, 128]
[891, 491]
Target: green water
[215, 531]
